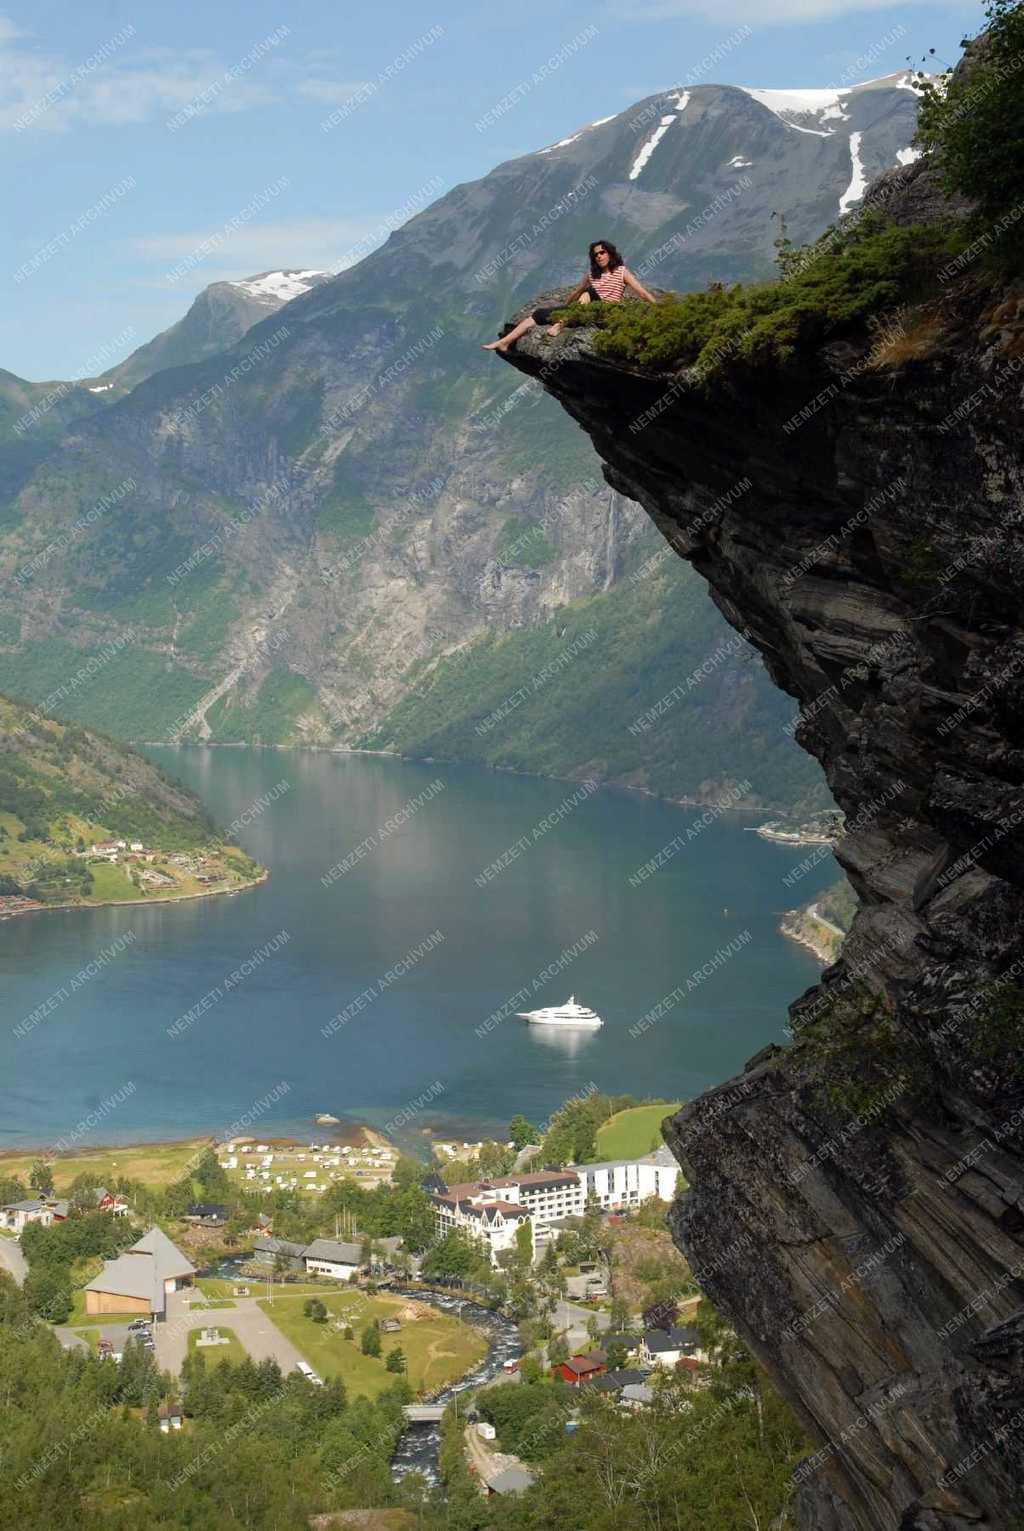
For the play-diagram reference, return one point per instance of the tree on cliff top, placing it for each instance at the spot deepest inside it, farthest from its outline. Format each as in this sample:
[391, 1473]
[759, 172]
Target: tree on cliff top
[972, 119]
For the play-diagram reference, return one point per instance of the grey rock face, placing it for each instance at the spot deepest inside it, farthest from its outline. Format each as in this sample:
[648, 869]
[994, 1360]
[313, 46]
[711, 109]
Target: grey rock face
[866, 1232]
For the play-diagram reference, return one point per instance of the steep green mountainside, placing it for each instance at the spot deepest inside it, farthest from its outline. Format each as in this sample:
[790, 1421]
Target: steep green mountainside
[33, 417]
[283, 539]
[64, 789]
[639, 686]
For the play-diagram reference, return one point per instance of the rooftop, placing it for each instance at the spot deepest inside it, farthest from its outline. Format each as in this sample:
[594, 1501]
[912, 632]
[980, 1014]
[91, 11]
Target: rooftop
[334, 1249]
[131, 1275]
[581, 1365]
[658, 1340]
[167, 1257]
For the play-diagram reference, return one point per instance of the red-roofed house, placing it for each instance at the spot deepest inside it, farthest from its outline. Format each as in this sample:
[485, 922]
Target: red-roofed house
[582, 1368]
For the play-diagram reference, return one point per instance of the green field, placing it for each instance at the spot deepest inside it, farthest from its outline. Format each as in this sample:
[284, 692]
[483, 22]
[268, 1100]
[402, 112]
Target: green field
[233, 1351]
[437, 1348]
[155, 1164]
[628, 1134]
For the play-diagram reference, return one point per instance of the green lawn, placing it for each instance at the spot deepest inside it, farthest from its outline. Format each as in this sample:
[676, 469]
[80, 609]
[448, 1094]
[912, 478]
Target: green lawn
[233, 1351]
[111, 882]
[438, 1348]
[214, 1302]
[217, 1286]
[628, 1134]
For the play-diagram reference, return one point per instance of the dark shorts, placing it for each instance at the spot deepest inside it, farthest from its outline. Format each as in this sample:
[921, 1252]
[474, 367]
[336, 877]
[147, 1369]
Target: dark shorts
[543, 315]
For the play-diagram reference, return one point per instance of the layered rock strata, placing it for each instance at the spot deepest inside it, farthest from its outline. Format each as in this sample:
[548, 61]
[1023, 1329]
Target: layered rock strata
[858, 1210]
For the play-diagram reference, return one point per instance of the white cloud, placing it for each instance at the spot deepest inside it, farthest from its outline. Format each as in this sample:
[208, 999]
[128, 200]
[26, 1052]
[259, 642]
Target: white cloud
[117, 83]
[762, 14]
[322, 244]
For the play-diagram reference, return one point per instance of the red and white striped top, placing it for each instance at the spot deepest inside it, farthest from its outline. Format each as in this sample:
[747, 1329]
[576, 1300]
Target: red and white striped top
[610, 285]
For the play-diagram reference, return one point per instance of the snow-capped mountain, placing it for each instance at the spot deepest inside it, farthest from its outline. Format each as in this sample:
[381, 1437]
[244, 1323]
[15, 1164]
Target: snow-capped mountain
[272, 288]
[217, 320]
[392, 497]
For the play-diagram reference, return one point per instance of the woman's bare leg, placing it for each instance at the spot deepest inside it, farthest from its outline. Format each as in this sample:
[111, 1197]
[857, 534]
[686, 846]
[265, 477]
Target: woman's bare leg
[555, 329]
[521, 328]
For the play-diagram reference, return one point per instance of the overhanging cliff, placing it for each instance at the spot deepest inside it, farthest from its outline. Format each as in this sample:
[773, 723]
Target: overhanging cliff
[858, 1207]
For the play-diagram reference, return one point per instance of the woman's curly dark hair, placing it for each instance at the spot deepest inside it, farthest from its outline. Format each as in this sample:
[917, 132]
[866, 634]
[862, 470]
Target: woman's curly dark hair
[614, 258]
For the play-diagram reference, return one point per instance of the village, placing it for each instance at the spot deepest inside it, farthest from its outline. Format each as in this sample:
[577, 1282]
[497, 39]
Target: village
[133, 853]
[225, 1276]
[121, 870]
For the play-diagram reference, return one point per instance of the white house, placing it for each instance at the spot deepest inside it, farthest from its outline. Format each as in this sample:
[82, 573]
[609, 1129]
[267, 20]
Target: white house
[341, 1259]
[17, 1214]
[667, 1347]
[333, 1257]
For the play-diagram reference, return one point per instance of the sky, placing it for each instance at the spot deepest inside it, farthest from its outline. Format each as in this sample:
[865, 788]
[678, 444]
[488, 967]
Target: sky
[148, 149]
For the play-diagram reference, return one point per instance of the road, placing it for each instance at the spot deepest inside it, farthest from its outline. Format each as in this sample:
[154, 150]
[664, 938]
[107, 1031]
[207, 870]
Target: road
[486, 1463]
[255, 1330]
[12, 1260]
[572, 1318]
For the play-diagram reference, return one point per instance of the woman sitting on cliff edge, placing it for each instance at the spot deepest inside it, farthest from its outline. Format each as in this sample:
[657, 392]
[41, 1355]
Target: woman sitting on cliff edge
[605, 282]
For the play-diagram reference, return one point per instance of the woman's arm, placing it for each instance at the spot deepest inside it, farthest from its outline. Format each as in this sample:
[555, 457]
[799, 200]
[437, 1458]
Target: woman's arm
[638, 287]
[578, 291]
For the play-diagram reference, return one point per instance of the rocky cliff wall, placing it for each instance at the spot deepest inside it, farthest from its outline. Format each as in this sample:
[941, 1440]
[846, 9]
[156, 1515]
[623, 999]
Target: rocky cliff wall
[858, 1209]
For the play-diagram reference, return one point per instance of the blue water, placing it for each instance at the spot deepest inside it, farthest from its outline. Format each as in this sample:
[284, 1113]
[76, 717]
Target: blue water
[101, 1066]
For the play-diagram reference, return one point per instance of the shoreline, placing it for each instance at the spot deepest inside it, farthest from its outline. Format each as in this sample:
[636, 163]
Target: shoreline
[794, 836]
[373, 1136]
[799, 929]
[137, 903]
[476, 765]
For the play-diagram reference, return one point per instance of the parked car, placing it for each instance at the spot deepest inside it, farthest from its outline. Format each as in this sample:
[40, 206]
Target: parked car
[304, 1368]
[138, 1324]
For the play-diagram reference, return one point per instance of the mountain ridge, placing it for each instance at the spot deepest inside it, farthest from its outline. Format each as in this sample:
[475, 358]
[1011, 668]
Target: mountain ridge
[344, 486]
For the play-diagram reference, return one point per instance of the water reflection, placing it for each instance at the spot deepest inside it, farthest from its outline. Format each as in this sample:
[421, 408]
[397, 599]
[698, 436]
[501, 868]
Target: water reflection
[568, 1040]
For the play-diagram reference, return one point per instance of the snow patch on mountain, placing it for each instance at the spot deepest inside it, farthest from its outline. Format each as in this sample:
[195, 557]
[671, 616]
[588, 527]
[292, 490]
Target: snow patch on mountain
[650, 146]
[280, 286]
[564, 142]
[858, 180]
[907, 156]
[739, 163]
[798, 103]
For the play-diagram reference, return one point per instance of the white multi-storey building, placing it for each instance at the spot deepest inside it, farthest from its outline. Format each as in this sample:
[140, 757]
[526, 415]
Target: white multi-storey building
[491, 1211]
[624, 1183]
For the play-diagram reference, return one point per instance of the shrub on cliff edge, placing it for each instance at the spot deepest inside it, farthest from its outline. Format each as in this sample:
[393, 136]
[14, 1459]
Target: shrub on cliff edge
[848, 276]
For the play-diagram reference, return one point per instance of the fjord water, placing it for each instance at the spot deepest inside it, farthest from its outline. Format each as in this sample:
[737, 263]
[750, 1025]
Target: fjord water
[182, 1026]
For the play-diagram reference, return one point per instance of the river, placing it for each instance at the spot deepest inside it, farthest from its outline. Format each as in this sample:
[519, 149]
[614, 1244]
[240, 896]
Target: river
[410, 911]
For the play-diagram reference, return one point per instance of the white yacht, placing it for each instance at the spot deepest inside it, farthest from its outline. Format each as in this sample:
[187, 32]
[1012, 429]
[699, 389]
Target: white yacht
[570, 1014]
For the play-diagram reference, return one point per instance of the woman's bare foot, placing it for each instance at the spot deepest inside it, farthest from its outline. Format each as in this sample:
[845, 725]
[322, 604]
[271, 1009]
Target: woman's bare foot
[495, 345]
[555, 329]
